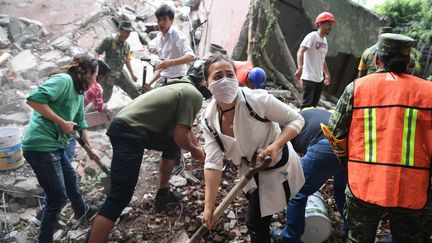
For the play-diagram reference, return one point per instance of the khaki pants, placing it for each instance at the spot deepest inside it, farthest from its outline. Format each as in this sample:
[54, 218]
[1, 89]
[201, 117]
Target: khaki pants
[122, 80]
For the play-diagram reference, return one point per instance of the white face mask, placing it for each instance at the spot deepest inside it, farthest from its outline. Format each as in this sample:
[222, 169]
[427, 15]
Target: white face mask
[224, 90]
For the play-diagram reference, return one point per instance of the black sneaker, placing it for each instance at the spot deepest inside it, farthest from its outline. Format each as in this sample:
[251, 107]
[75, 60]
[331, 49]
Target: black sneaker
[168, 201]
[88, 214]
[37, 221]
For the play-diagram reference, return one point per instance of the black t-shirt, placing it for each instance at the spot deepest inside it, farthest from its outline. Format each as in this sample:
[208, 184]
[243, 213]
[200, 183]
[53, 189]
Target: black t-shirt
[311, 132]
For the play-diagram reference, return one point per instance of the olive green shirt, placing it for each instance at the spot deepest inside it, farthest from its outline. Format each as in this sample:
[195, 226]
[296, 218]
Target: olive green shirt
[161, 109]
[59, 93]
[116, 52]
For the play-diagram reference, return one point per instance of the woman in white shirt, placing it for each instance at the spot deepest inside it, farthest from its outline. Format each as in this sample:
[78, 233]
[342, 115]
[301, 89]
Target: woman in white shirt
[243, 121]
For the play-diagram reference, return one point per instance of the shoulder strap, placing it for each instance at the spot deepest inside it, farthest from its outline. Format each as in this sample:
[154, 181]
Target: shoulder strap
[215, 134]
[252, 112]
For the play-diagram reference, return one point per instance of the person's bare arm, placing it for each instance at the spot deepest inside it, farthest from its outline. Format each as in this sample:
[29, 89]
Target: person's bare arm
[96, 55]
[129, 67]
[327, 79]
[212, 180]
[185, 139]
[299, 71]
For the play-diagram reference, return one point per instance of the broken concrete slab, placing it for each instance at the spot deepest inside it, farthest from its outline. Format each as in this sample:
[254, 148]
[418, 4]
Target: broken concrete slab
[9, 218]
[24, 62]
[4, 40]
[7, 181]
[63, 61]
[16, 27]
[63, 43]
[178, 181]
[77, 235]
[45, 68]
[26, 189]
[28, 214]
[52, 56]
[4, 20]
[17, 237]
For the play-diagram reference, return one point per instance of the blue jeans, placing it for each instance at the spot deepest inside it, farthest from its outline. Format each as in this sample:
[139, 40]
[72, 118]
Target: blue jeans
[70, 150]
[319, 164]
[59, 181]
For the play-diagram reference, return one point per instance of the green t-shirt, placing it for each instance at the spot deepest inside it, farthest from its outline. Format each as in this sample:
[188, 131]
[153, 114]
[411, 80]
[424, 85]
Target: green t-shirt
[59, 93]
[116, 52]
[161, 109]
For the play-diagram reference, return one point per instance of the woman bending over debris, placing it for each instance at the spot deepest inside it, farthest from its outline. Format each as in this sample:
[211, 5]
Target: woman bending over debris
[238, 123]
[58, 106]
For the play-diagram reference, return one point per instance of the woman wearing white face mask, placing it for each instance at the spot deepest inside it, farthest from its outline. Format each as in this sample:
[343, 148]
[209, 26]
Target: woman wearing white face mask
[237, 123]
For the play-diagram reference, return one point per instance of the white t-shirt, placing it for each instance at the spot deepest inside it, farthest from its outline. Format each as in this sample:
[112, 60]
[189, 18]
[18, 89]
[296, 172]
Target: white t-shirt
[173, 45]
[314, 57]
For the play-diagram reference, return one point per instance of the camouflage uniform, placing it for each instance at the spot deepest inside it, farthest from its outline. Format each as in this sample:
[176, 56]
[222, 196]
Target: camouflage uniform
[407, 225]
[367, 60]
[116, 54]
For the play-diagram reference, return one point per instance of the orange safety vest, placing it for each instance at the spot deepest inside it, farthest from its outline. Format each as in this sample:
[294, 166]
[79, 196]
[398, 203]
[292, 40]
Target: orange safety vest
[242, 70]
[390, 140]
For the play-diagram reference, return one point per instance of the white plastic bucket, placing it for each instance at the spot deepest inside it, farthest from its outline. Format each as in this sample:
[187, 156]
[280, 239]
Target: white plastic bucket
[317, 224]
[10, 148]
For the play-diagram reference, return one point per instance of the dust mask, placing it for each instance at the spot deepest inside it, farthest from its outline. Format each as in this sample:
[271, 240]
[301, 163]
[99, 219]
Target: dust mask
[224, 90]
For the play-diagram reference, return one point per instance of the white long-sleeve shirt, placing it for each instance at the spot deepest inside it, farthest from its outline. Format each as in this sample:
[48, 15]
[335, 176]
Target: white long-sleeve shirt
[251, 134]
[171, 46]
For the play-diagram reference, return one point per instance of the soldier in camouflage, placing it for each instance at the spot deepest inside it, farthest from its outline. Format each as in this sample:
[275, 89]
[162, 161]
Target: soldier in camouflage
[407, 225]
[117, 54]
[367, 60]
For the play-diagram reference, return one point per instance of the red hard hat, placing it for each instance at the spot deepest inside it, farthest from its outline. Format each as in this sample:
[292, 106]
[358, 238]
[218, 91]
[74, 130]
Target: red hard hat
[325, 16]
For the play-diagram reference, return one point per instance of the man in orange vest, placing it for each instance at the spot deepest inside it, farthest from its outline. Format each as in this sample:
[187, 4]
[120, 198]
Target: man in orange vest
[385, 120]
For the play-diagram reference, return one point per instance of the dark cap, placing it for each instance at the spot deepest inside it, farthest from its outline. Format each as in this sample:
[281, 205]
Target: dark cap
[390, 43]
[385, 29]
[126, 25]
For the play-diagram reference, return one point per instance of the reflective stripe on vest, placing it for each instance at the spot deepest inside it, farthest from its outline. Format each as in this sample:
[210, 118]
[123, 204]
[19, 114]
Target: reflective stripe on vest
[370, 134]
[390, 140]
[408, 141]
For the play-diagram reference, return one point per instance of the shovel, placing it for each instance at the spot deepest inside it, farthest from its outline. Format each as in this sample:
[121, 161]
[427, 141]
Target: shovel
[232, 194]
[106, 181]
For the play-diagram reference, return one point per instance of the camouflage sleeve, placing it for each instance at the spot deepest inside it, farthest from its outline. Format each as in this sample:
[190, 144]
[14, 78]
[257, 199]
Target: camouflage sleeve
[103, 45]
[340, 120]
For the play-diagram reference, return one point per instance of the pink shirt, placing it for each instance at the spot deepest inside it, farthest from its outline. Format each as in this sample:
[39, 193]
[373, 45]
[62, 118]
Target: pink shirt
[94, 94]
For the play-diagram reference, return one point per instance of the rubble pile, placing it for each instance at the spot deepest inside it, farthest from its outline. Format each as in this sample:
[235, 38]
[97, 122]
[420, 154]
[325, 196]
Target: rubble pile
[28, 53]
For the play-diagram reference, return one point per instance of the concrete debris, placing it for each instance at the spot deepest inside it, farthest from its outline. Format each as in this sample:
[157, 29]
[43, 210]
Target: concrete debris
[77, 235]
[178, 181]
[231, 215]
[24, 62]
[17, 237]
[19, 118]
[28, 214]
[45, 68]
[9, 218]
[4, 57]
[63, 43]
[24, 31]
[4, 40]
[52, 56]
[26, 189]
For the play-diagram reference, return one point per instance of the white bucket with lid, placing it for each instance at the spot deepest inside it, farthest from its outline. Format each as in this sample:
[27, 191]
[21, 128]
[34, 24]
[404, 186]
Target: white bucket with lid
[11, 156]
[317, 224]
